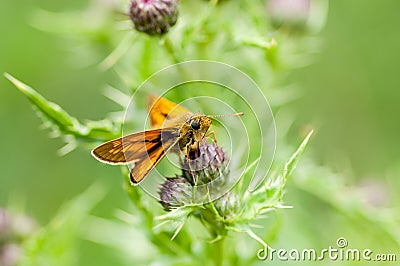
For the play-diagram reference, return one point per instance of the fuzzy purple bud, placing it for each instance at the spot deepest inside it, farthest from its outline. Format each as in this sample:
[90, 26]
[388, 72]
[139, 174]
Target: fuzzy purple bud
[175, 192]
[154, 17]
[209, 166]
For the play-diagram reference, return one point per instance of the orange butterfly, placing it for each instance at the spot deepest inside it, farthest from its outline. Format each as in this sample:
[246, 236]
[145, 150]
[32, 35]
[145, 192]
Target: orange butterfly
[175, 127]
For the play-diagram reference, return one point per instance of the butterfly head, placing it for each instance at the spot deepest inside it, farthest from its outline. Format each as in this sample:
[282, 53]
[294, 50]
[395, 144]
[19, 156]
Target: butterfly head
[198, 125]
[191, 134]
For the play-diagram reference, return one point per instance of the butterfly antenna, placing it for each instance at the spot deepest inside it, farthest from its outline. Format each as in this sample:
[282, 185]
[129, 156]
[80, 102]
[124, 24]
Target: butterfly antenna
[237, 114]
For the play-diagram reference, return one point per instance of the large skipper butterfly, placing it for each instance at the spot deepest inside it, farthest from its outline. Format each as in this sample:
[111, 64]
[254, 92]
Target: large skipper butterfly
[174, 128]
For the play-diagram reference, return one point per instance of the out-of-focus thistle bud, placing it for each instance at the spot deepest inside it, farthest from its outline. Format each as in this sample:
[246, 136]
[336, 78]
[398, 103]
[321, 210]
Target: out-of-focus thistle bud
[5, 226]
[154, 17]
[209, 166]
[14, 229]
[292, 14]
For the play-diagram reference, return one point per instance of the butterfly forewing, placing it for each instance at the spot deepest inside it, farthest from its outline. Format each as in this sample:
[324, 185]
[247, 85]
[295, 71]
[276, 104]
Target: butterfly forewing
[163, 111]
[144, 149]
[132, 147]
[155, 152]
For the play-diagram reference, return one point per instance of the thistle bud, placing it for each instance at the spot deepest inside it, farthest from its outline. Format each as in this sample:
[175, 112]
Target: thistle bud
[227, 205]
[14, 229]
[5, 226]
[209, 166]
[154, 17]
[175, 192]
[291, 14]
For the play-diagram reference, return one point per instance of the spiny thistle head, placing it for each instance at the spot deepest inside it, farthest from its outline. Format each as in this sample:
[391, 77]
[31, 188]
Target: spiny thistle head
[211, 165]
[208, 166]
[220, 209]
[175, 192]
[154, 17]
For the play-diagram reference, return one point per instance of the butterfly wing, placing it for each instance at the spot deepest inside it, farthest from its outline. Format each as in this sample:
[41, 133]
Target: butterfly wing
[155, 153]
[124, 150]
[162, 110]
[145, 149]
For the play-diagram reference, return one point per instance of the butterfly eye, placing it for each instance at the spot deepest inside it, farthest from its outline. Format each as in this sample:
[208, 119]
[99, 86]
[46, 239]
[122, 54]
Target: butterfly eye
[195, 125]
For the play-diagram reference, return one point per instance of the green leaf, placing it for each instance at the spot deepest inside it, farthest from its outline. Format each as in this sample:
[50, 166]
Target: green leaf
[269, 197]
[292, 163]
[64, 122]
[52, 111]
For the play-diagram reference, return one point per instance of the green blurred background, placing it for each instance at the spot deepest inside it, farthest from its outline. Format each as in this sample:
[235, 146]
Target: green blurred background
[352, 91]
[350, 97]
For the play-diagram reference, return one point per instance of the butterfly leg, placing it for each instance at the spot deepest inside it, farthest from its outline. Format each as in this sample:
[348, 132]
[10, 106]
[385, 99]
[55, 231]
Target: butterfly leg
[212, 133]
[193, 177]
[188, 169]
[191, 170]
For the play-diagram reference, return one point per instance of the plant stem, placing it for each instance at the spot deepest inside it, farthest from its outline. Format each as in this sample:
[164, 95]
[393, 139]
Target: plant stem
[219, 252]
[169, 47]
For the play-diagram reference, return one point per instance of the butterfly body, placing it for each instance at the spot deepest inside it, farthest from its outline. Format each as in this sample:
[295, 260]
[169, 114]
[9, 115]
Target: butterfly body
[191, 134]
